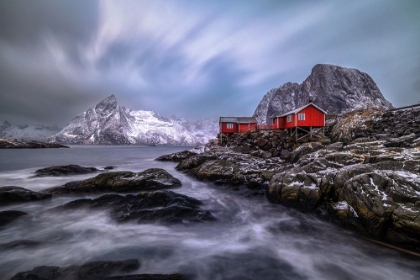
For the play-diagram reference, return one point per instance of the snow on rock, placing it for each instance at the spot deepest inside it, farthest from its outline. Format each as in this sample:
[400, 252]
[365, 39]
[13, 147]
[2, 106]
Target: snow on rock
[110, 124]
[27, 132]
[335, 89]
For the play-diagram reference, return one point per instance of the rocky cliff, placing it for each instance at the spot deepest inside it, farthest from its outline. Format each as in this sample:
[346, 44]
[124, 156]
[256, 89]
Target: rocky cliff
[364, 174]
[110, 124]
[335, 89]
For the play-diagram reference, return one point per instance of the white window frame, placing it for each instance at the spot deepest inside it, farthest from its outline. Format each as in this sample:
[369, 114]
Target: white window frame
[229, 125]
[301, 116]
[289, 118]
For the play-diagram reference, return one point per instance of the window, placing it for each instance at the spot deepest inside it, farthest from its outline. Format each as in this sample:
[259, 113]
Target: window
[289, 118]
[301, 116]
[229, 125]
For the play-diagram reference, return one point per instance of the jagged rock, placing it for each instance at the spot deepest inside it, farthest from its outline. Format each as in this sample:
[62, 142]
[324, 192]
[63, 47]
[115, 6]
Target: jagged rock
[7, 217]
[88, 271]
[21, 144]
[158, 206]
[123, 181]
[216, 169]
[64, 170]
[11, 195]
[335, 89]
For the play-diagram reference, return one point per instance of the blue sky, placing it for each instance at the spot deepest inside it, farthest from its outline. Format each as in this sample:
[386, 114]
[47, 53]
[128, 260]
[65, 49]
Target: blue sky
[194, 58]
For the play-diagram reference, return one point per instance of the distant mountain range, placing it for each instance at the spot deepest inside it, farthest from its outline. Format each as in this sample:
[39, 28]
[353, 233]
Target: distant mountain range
[27, 132]
[107, 123]
[333, 88]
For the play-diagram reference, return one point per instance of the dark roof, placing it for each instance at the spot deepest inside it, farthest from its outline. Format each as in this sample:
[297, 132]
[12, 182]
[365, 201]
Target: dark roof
[297, 110]
[238, 119]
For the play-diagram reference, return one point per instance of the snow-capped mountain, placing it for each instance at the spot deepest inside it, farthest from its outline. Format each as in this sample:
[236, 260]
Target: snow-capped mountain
[27, 132]
[107, 123]
[333, 88]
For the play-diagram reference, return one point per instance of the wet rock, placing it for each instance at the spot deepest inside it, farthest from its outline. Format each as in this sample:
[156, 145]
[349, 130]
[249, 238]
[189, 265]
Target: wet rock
[149, 277]
[12, 195]
[177, 157]
[7, 217]
[194, 161]
[64, 170]
[108, 167]
[87, 271]
[296, 190]
[158, 206]
[124, 181]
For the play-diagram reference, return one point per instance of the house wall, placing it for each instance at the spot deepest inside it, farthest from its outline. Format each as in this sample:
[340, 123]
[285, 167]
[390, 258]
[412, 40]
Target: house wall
[224, 129]
[279, 123]
[313, 117]
[247, 126]
[292, 123]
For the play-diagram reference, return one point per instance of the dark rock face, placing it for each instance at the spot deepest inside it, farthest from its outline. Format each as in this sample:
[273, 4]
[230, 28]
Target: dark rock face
[7, 217]
[158, 206]
[64, 170]
[12, 195]
[123, 181]
[87, 271]
[20, 144]
[335, 89]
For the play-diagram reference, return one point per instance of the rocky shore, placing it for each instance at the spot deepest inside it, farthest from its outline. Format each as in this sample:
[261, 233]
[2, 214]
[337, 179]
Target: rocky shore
[20, 144]
[364, 174]
[148, 201]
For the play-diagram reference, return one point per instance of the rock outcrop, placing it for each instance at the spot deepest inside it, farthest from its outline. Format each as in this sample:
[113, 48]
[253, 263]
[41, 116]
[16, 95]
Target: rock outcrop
[65, 170]
[21, 144]
[335, 89]
[9, 216]
[117, 182]
[13, 195]
[158, 206]
[365, 176]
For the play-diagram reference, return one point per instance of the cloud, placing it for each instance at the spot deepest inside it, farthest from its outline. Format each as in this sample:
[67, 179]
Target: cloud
[193, 58]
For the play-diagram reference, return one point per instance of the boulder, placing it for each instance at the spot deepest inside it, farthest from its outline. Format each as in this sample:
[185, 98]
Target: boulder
[12, 195]
[216, 169]
[64, 170]
[305, 149]
[159, 206]
[123, 181]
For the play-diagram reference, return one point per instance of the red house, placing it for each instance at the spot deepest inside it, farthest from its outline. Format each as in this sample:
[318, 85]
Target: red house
[309, 115]
[229, 125]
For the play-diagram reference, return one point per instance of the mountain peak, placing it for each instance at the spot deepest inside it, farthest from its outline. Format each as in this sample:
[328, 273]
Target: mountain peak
[334, 88]
[106, 106]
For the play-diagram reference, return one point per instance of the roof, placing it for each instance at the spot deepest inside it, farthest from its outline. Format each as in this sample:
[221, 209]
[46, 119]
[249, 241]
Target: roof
[297, 110]
[238, 119]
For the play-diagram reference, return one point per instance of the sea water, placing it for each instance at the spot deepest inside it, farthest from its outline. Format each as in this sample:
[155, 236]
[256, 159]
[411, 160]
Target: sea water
[251, 238]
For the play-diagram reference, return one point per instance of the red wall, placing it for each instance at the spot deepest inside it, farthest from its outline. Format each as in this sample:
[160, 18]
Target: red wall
[224, 129]
[313, 117]
[246, 127]
[279, 123]
[292, 123]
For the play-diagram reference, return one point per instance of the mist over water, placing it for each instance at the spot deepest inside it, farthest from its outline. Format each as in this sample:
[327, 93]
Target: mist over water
[251, 239]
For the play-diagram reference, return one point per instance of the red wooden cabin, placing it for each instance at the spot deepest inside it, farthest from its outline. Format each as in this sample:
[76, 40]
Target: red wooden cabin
[229, 125]
[309, 115]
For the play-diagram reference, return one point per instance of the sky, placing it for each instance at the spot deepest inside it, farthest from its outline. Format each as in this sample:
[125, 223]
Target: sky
[194, 59]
